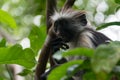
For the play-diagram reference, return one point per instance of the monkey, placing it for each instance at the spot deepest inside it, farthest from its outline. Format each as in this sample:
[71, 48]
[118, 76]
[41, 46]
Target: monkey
[70, 28]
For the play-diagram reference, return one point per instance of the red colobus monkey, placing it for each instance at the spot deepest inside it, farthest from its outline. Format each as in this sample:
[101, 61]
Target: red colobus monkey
[73, 28]
[70, 28]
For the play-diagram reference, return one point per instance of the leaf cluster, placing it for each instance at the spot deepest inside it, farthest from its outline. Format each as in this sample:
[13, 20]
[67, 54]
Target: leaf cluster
[100, 65]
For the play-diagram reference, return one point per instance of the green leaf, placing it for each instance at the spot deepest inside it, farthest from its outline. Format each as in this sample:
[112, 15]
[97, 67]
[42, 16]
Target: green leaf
[108, 24]
[37, 37]
[72, 70]
[80, 52]
[16, 55]
[117, 1]
[105, 59]
[85, 65]
[7, 19]
[59, 72]
[112, 6]
[2, 78]
[3, 43]
[117, 8]
[89, 76]
[25, 72]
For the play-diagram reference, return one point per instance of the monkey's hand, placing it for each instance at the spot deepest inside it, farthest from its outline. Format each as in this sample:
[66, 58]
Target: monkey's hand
[56, 42]
[59, 43]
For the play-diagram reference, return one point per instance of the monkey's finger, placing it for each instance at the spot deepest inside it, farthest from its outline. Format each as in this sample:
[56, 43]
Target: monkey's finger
[57, 39]
[65, 45]
[56, 48]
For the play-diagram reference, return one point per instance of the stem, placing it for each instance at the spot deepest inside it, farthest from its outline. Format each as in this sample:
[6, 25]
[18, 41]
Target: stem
[9, 72]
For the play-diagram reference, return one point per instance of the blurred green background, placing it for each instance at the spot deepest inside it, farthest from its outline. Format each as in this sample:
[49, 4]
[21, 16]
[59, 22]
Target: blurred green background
[30, 17]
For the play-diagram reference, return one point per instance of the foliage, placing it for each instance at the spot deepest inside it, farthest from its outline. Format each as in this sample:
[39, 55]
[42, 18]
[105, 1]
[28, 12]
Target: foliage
[18, 16]
[117, 1]
[7, 19]
[80, 51]
[16, 55]
[108, 24]
[61, 71]
[102, 62]
[36, 39]
[25, 72]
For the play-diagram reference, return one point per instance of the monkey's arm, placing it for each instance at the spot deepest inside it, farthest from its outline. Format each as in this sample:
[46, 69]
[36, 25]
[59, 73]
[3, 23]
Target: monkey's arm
[42, 61]
[51, 45]
[44, 55]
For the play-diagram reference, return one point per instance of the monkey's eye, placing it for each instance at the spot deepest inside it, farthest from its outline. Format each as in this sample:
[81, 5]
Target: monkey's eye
[55, 26]
[55, 29]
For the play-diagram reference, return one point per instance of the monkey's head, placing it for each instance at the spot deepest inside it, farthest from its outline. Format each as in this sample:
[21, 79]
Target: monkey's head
[69, 24]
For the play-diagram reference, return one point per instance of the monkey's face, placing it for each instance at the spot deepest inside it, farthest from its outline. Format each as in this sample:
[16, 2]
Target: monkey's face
[65, 29]
[68, 27]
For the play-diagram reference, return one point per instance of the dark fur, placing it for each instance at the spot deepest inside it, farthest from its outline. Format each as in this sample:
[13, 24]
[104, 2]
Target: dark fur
[99, 38]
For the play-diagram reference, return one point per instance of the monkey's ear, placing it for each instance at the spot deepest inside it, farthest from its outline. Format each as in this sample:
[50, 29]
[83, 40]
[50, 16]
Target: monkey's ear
[81, 18]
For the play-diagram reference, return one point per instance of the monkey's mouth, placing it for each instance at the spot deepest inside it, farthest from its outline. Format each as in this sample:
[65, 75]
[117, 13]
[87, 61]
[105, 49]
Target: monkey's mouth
[64, 36]
[65, 40]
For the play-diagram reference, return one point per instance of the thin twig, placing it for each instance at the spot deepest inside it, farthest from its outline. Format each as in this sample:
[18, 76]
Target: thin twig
[9, 72]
